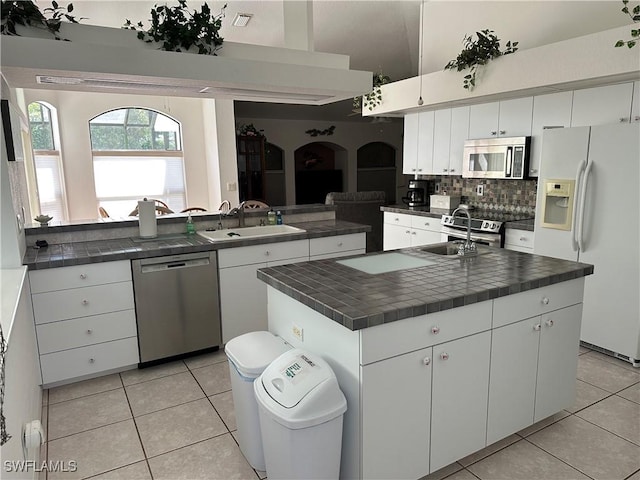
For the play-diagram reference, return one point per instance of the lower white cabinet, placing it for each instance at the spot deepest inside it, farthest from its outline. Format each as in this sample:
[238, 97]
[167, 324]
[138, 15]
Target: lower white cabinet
[533, 369]
[518, 240]
[337, 246]
[85, 320]
[403, 231]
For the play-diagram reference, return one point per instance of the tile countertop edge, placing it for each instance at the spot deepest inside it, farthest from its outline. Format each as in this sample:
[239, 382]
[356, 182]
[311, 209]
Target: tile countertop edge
[286, 281]
[81, 253]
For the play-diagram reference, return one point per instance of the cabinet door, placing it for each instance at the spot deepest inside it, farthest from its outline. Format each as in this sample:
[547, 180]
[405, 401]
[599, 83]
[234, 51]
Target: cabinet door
[396, 408]
[441, 142]
[424, 237]
[515, 117]
[512, 386]
[557, 361]
[549, 111]
[426, 124]
[410, 144]
[518, 240]
[635, 107]
[396, 236]
[243, 300]
[602, 105]
[483, 120]
[459, 133]
[459, 398]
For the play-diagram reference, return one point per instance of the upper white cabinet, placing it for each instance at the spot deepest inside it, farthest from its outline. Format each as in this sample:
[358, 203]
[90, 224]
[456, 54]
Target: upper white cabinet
[508, 118]
[410, 144]
[602, 105]
[441, 141]
[459, 133]
[418, 143]
[549, 111]
[635, 107]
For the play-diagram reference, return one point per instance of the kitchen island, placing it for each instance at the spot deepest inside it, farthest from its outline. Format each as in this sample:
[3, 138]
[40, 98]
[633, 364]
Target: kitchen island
[438, 356]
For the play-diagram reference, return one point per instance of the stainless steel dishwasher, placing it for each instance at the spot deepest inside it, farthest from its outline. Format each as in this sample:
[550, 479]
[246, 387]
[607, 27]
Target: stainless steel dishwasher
[177, 305]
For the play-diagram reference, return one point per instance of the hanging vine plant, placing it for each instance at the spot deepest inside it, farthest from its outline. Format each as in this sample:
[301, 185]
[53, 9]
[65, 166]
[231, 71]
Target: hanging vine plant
[374, 97]
[177, 29]
[27, 14]
[635, 32]
[477, 53]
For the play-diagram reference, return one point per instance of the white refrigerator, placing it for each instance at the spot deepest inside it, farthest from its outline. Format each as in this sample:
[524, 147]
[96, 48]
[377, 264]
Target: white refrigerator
[604, 162]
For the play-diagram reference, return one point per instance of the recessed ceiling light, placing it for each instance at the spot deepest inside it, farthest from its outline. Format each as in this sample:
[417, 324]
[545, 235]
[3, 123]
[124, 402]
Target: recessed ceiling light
[241, 19]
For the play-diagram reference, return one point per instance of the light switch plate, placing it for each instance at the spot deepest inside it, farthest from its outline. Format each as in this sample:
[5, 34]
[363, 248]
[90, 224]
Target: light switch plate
[297, 332]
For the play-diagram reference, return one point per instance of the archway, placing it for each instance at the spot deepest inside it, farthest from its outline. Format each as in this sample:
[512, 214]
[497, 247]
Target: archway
[320, 168]
[377, 169]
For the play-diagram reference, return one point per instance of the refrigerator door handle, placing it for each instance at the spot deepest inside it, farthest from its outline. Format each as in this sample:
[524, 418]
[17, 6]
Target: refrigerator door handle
[583, 197]
[576, 213]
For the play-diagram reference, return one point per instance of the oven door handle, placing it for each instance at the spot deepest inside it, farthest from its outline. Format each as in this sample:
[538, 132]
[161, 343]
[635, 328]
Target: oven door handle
[487, 237]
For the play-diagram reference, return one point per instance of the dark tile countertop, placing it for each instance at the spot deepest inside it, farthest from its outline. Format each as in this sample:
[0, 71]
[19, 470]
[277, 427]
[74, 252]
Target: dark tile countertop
[78, 253]
[359, 300]
[516, 220]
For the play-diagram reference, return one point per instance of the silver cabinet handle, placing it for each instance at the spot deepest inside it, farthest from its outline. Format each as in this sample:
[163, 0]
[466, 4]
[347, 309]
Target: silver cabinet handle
[537, 327]
[419, 169]
[407, 231]
[545, 300]
[426, 361]
[523, 239]
[452, 170]
[493, 132]
[83, 276]
[533, 170]
[89, 331]
[549, 323]
[623, 120]
[339, 244]
[426, 224]
[92, 360]
[85, 302]
[444, 169]
[267, 253]
[444, 356]
[502, 132]
[435, 330]
[413, 233]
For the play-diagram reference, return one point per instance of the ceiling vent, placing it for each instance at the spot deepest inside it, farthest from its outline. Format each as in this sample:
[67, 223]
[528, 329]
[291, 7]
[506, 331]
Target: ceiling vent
[241, 19]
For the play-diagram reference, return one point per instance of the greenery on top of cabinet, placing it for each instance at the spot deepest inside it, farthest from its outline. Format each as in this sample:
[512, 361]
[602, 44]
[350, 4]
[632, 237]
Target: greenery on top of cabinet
[27, 14]
[635, 16]
[477, 53]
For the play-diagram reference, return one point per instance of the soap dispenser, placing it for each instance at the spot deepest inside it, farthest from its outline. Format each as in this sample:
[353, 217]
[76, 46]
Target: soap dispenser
[271, 217]
[191, 227]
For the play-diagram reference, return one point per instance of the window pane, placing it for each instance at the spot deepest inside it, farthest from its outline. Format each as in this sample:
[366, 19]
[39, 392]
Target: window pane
[114, 116]
[138, 116]
[107, 137]
[41, 127]
[50, 186]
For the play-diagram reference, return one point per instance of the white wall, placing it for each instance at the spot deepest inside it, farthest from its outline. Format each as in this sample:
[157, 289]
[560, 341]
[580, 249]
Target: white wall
[290, 135]
[200, 144]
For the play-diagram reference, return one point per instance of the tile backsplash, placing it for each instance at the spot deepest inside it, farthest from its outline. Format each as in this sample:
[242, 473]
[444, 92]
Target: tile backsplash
[504, 195]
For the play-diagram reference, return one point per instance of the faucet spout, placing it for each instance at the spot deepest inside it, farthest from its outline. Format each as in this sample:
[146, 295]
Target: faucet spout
[468, 247]
[239, 210]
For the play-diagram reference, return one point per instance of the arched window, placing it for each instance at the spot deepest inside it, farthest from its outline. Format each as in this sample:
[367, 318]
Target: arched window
[137, 153]
[46, 157]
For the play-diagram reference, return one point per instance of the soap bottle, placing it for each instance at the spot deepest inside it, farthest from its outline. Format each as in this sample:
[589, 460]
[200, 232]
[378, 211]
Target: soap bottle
[271, 217]
[279, 217]
[191, 227]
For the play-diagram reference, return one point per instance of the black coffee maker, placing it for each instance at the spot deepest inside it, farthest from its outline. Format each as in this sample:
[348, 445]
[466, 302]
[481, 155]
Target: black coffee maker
[418, 193]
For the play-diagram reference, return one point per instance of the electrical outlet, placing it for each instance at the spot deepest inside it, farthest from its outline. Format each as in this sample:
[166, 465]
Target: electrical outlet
[297, 332]
[480, 190]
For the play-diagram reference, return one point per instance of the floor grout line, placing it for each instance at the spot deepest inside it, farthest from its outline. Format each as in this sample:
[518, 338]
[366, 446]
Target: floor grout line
[559, 459]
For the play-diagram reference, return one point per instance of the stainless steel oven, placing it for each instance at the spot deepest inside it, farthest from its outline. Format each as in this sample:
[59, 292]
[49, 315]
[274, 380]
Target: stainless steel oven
[491, 239]
[484, 231]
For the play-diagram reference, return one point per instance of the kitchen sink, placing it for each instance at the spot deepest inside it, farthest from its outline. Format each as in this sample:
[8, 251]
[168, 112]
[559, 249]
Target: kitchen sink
[249, 232]
[451, 250]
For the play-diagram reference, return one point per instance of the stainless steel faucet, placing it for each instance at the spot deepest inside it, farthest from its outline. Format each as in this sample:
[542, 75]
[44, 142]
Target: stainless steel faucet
[468, 247]
[240, 211]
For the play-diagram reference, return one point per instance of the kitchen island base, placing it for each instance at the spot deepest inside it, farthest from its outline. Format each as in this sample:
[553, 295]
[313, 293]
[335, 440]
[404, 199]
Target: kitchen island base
[428, 390]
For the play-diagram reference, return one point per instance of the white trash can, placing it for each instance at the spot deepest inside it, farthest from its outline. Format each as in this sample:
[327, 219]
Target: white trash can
[301, 407]
[249, 355]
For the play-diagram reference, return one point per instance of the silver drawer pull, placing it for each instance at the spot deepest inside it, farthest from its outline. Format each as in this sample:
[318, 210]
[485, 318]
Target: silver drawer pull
[427, 223]
[523, 239]
[267, 253]
[444, 356]
[502, 132]
[89, 331]
[435, 330]
[83, 276]
[549, 323]
[92, 360]
[340, 244]
[537, 327]
[85, 302]
[545, 300]
[426, 361]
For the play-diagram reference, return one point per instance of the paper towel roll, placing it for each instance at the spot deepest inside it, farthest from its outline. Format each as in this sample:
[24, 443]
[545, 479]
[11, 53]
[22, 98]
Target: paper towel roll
[147, 218]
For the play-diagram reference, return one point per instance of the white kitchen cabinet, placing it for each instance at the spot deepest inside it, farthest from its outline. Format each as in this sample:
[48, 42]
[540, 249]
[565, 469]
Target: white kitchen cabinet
[410, 144]
[459, 134]
[635, 106]
[549, 111]
[507, 118]
[426, 125]
[441, 142]
[396, 396]
[85, 320]
[403, 231]
[459, 398]
[602, 105]
[518, 240]
[338, 246]
[243, 298]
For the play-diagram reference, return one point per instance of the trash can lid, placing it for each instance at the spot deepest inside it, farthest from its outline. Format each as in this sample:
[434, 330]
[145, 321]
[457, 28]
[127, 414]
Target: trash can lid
[252, 352]
[299, 389]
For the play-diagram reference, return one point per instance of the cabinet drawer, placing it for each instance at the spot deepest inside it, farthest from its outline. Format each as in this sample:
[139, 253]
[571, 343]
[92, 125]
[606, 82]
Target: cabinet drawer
[535, 302]
[52, 279]
[337, 244]
[80, 332]
[82, 302]
[431, 224]
[89, 360]
[396, 338]
[268, 252]
[397, 219]
[518, 238]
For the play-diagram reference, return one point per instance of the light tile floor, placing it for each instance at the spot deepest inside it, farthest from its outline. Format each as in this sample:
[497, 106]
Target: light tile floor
[176, 421]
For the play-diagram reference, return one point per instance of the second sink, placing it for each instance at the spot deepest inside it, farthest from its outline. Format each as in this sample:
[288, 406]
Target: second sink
[249, 232]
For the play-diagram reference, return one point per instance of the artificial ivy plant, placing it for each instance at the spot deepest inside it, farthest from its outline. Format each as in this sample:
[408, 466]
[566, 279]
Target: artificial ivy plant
[635, 32]
[477, 53]
[177, 29]
[374, 97]
[27, 14]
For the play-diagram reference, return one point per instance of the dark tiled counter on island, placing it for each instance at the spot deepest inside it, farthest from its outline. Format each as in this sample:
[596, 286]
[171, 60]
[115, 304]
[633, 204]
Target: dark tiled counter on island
[440, 360]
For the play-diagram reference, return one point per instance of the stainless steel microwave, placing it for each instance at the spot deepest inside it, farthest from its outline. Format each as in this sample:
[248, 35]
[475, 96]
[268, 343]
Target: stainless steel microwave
[502, 157]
